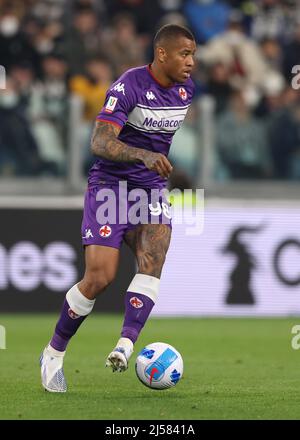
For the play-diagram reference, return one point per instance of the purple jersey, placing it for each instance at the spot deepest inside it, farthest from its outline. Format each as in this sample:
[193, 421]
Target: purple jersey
[149, 115]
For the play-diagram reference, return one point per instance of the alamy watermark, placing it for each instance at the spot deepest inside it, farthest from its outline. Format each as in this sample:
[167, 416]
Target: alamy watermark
[2, 78]
[2, 338]
[295, 342]
[296, 78]
[155, 206]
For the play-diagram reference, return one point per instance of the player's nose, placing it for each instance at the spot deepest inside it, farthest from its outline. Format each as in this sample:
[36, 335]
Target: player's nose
[190, 61]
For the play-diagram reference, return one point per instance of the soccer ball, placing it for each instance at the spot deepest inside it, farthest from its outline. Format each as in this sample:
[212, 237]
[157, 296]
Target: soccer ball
[159, 366]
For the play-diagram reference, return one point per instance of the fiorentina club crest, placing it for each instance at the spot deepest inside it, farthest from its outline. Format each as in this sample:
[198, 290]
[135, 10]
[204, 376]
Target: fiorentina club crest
[136, 303]
[182, 93]
[105, 231]
[72, 314]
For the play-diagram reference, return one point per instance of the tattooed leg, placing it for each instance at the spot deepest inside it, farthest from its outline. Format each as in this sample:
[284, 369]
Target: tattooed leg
[150, 244]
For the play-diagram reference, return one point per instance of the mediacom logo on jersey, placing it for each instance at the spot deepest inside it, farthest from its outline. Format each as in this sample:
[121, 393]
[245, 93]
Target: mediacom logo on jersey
[163, 123]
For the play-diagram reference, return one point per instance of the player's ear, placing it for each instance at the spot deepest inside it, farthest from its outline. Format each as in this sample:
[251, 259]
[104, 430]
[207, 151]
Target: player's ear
[161, 54]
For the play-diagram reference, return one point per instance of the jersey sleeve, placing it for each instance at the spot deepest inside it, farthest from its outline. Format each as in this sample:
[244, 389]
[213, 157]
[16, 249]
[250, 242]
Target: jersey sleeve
[120, 100]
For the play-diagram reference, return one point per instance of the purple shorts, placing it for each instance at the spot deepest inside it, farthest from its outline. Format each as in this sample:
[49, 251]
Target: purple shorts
[110, 211]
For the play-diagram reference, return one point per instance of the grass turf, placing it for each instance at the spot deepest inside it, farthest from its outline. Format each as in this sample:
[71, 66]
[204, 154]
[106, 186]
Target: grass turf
[234, 369]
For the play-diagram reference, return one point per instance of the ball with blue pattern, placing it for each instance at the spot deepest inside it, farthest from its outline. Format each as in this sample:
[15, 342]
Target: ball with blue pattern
[159, 366]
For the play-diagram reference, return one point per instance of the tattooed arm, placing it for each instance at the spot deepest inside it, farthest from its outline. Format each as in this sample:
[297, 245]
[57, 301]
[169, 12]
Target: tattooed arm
[105, 143]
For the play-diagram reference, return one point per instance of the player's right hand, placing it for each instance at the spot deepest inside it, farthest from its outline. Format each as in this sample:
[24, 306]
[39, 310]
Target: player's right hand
[159, 163]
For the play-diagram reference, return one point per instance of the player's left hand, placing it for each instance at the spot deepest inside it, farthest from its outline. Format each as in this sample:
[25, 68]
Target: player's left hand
[159, 163]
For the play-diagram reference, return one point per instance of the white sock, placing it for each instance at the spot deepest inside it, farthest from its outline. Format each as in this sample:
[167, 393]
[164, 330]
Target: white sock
[146, 285]
[78, 302]
[127, 344]
[54, 352]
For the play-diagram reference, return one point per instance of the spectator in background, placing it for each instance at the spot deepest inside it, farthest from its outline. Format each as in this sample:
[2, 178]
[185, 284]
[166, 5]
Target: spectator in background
[241, 142]
[83, 41]
[13, 43]
[48, 10]
[185, 150]
[273, 54]
[146, 13]
[18, 7]
[273, 19]
[247, 67]
[207, 18]
[55, 89]
[45, 107]
[49, 110]
[92, 88]
[171, 6]
[123, 46]
[31, 27]
[19, 152]
[218, 86]
[97, 6]
[271, 99]
[291, 53]
[173, 18]
[22, 74]
[284, 136]
[48, 37]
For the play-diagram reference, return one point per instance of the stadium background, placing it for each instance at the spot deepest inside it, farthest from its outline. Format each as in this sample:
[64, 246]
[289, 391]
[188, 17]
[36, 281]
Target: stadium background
[240, 142]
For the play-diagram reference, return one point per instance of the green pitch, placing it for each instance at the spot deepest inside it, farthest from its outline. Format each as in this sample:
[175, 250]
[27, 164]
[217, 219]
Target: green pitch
[234, 369]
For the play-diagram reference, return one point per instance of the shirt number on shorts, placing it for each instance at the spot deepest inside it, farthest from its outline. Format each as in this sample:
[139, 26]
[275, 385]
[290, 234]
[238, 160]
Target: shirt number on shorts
[159, 208]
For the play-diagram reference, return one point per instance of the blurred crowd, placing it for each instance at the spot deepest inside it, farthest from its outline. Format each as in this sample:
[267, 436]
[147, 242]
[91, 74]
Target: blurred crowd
[246, 60]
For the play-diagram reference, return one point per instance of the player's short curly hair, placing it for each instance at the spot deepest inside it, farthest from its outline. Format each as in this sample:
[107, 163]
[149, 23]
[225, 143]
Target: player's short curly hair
[169, 32]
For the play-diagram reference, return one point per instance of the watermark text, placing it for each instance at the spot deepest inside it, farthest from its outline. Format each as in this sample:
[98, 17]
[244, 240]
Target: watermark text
[156, 206]
[296, 78]
[2, 78]
[2, 338]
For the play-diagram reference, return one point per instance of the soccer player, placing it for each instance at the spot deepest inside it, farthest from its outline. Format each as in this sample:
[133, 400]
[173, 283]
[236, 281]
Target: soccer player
[131, 140]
